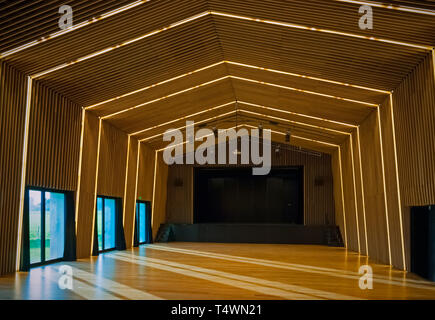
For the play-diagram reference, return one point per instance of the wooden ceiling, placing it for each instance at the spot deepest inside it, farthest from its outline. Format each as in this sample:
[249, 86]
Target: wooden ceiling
[304, 62]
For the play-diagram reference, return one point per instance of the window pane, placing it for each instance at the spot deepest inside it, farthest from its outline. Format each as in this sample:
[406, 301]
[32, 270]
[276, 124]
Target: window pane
[54, 225]
[100, 223]
[35, 226]
[109, 223]
[142, 222]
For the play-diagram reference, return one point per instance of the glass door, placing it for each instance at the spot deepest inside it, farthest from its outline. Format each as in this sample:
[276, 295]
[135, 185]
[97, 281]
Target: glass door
[106, 223]
[141, 221]
[46, 225]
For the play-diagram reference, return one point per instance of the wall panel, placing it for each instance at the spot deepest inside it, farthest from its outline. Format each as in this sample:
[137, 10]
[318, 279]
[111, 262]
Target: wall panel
[377, 234]
[54, 140]
[13, 89]
[160, 192]
[111, 171]
[87, 186]
[130, 197]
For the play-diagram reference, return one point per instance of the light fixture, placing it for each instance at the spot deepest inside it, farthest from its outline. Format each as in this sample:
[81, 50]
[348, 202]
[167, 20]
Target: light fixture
[287, 136]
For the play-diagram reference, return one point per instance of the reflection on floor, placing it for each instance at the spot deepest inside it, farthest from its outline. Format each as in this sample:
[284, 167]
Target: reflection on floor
[218, 271]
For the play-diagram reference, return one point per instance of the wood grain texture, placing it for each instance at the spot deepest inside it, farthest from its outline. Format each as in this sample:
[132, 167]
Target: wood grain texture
[87, 186]
[54, 140]
[159, 194]
[130, 196]
[111, 171]
[12, 118]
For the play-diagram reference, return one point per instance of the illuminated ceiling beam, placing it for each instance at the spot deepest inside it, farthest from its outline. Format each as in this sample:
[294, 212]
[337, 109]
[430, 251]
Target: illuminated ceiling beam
[305, 91]
[73, 28]
[298, 114]
[294, 122]
[249, 126]
[253, 113]
[302, 27]
[182, 118]
[392, 7]
[155, 85]
[246, 103]
[233, 63]
[233, 16]
[183, 127]
[238, 78]
[308, 77]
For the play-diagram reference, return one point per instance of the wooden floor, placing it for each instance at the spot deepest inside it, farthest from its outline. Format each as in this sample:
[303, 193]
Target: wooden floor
[218, 271]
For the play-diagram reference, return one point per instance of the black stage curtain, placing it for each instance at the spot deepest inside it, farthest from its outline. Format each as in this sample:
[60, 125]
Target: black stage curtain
[25, 243]
[95, 251]
[149, 235]
[70, 229]
[120, 236]
[136, 229]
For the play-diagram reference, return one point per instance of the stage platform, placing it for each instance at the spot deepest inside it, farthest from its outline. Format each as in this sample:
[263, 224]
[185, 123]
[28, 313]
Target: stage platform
[250, 233]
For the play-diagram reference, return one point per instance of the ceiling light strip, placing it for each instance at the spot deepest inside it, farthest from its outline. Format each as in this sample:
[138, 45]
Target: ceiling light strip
[182, 118]
[125, 43]
[392, 7]
[73, 28]
[165, 97]
[183, 127]
[295, 122]
[305, 91]
[154, 85]
[297, 114]
[307, 77]
[302, 27]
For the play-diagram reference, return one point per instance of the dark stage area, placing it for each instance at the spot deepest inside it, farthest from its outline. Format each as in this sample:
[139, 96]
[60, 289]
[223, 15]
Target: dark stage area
[234, 195]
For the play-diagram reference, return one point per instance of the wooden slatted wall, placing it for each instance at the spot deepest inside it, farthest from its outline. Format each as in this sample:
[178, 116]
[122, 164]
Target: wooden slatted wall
[12, 119]
[414, 118]
[160, 194]
[54, 140]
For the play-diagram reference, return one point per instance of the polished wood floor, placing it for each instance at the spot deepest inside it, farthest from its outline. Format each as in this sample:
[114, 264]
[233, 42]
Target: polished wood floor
[218, 271]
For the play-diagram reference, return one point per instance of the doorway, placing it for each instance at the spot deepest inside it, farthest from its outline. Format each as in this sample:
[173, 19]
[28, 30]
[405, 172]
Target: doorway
[106, 223]
[142, 230]
[46, 220]
[423, 241]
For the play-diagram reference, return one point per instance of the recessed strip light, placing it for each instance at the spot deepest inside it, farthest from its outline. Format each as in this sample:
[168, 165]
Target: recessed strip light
[73, 28]
[125, 43]
[196, 139]
[24, 170]
[155, 85]
[297, 114]
[392, 7]
[342, 197]
[305, 91]
[307, 77]
[362, 191]
[233, 63]
[79, 180]
[126, 180]
[298, 137]
[233, 77]
[295, 122]
[182, 118]
[354, 193]
[302, 27]
[165, 97]
[196, 123]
